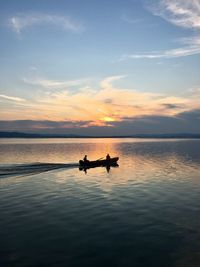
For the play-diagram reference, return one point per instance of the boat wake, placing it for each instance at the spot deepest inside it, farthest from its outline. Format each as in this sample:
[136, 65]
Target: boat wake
[33, 168]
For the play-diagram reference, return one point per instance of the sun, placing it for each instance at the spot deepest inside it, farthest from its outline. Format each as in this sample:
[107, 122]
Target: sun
[108, 119]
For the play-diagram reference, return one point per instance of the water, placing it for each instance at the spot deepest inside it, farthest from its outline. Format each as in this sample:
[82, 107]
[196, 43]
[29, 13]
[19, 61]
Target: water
[143, 213]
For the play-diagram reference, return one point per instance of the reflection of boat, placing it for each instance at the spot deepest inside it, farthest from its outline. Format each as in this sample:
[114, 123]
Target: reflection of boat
[98, 163]
[85, 168]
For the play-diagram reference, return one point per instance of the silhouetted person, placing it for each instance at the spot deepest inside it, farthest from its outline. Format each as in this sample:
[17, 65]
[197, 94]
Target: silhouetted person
[107, 157]
[85, 159]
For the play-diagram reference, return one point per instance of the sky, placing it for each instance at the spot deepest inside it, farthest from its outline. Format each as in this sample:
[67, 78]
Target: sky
[100, 67]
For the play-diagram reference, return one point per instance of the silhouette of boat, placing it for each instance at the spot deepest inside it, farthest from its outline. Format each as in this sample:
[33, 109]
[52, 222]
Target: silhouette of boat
[99, 163]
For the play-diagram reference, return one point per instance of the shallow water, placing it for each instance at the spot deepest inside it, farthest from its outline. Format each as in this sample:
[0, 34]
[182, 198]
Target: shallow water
[143, 213]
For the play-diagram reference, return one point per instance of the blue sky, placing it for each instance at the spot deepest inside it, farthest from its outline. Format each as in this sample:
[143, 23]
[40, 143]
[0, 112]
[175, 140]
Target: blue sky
[110, 66]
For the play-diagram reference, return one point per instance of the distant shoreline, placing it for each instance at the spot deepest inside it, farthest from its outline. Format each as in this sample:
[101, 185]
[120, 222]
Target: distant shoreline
[37, 136]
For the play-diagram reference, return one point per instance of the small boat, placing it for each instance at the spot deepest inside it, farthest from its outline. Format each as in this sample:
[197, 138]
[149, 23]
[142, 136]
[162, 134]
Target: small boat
[99, 163]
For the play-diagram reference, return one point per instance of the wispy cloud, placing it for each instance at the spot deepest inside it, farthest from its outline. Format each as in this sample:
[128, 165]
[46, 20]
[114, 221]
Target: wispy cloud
[103, 104]
[173, 53]
[23, 21]
[12, 98]
[181, 13]
[53, 84]
[194, 90]
[107, 82]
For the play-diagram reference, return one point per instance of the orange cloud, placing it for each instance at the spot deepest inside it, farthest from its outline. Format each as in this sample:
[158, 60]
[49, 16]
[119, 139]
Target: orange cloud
[100, 106]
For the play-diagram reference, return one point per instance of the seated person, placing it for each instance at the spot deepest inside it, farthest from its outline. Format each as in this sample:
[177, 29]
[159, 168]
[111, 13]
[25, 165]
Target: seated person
[107, 157]
[85, 159]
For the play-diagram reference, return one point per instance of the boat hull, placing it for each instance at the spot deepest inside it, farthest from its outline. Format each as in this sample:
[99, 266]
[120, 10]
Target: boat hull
[99, 163]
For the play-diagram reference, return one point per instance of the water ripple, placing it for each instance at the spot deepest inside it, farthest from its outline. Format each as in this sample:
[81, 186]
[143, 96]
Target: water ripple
[33, 168]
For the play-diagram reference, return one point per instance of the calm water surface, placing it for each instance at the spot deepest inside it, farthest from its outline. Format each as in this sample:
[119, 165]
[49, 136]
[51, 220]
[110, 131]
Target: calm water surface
[146, 212]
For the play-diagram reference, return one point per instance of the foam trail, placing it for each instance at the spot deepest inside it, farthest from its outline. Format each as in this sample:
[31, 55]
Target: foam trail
[33, 168]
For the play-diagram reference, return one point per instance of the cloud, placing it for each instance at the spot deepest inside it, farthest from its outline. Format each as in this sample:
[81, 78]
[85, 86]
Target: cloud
[185, 14]
[53, 84]
[12, 98]
[182, 13]
[190, 115]
[195, 91]
[172, 106]
[23, 21]
[107, 82]
[40, 125]
[102, 105]
[173, 53]
[105, 105]
[184, 122]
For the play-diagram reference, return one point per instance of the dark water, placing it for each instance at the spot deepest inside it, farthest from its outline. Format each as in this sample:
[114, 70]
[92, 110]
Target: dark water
[144, 213]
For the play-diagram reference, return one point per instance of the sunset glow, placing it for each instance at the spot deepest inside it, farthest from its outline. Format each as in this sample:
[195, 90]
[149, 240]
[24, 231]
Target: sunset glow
[69, 71]
[107, 119]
